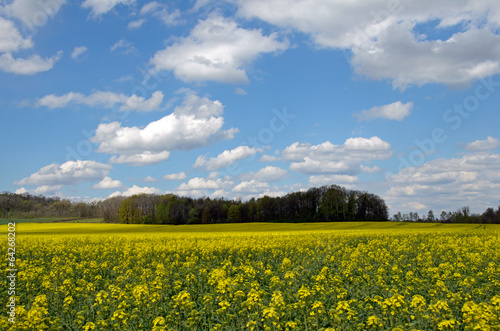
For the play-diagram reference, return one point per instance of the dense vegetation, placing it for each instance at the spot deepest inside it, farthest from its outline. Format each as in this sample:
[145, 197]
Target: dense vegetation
[36, 206]
[323, 204]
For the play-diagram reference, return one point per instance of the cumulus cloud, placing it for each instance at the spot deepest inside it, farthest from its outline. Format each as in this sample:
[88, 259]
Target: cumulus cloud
[473, 179]
[100, 7]
[252, 186]
[320, 180]
[146, 158]
[177, 176]
[11, 39]
[394, 111]
[107, 183]
[33, 13]
[69, 173]
[27, 66]
[400, 56]
[136, 24]
[384, 36]
[40, 190]
[269, 158]
[104, 99]
[266, 174]
[150, 179]
[134, 190]
[198, 183]
[197, 122]
[327, 158]
[483, 145]
[226, 158]
[216, 50]
[78, 51]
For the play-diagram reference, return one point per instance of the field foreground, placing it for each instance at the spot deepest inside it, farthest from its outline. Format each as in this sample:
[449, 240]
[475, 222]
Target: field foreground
[315, 276]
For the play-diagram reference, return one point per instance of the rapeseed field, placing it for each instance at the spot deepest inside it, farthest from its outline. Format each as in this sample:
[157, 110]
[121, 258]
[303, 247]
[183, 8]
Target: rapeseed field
[323, 276]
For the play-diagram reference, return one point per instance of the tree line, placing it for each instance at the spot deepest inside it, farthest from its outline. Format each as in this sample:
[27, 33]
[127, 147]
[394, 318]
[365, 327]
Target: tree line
[27, 205]
[462, 215]
[322, 204]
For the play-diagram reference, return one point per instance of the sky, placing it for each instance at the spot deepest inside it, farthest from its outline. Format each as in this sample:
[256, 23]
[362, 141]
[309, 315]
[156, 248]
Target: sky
[246, 98]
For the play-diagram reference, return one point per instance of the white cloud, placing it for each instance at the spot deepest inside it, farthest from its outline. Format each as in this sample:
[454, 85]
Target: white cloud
[384, 37]
[107, 183]
[21, 190]
[11, 39]
[134, 190]
[320, 180]
[33, 13]
[100, 7]
[252, 186]
[394, 111]
[160, 11]
[126, 46]
[146, 158]
[226, 158]
[198, 183]
[178, 176]
[27, 66]
[327, 158]
[137, 103]
[269, 158]
[331, 23]
[42, 190]
[78, 51]
[483, 145]
[216, 50]
[136, 24]
[274, 192]
[370, 169]
[413, 205]
[104, 99]
[149, 8]
[69, 173]
[150, 179]
[240, 91]
[473, 179]
[397, 54]
[197, 122]
[266, 174]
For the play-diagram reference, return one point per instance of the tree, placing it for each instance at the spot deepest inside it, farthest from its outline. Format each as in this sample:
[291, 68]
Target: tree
[162, 214]
[252, 210]
[233, 214]
[263, 209]
[108, 209]
[193, 216]
[333, 204]
[206, 216]
[430, 216]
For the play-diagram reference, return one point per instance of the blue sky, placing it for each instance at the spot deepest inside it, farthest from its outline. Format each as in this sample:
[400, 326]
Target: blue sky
[245, 98]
